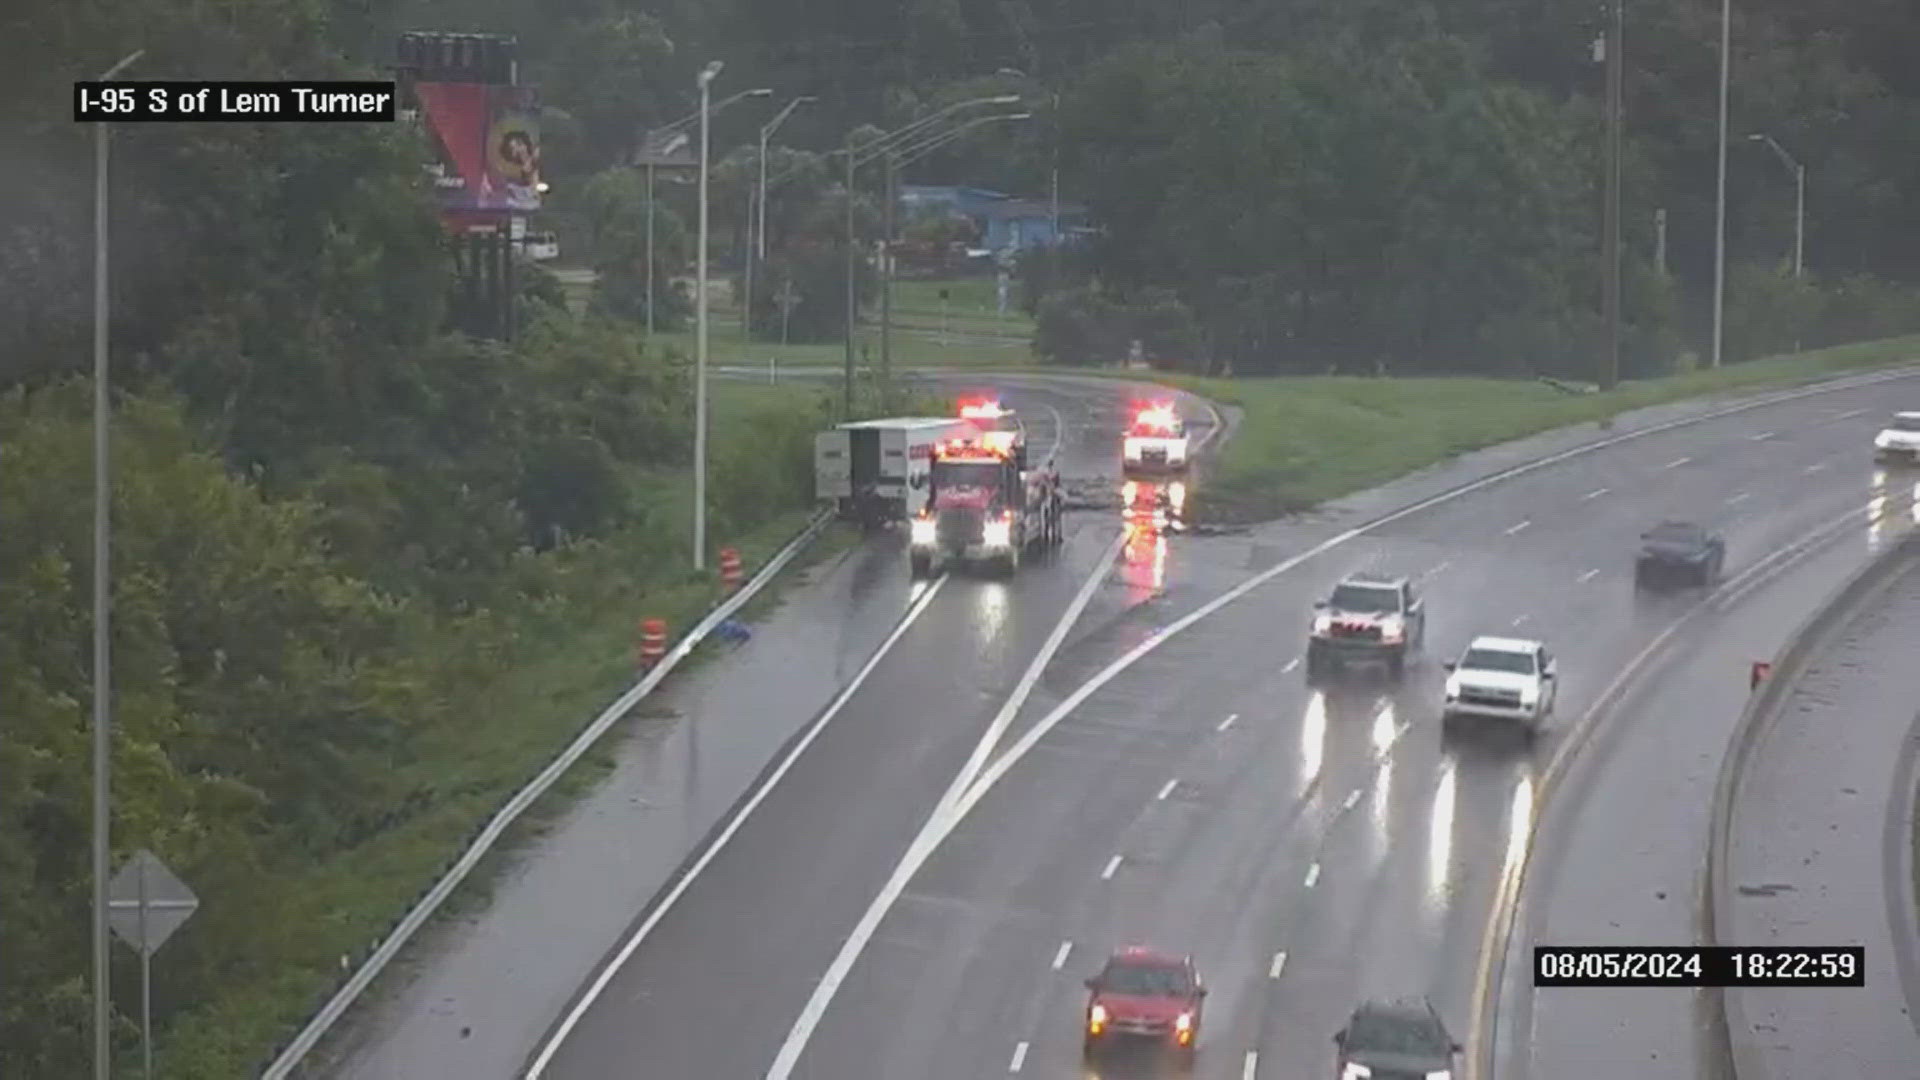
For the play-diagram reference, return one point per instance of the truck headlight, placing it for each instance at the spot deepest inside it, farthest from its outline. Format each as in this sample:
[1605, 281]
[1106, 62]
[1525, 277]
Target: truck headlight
[1322, 624]
[1453, 690]
[1392, 631]
[1440, 1074]
[922, 531]
[1530, 699]
[997, 533]
[1096, 1018]
[1183, 1022]
[1355, 1071]
[1132, 450]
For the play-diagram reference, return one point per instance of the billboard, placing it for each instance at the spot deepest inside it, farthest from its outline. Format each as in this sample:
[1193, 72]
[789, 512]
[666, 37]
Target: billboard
[488, 142]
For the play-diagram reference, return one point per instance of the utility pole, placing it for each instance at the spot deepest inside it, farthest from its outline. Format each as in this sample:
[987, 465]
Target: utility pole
[886, 283]
[102, 672]
[1720, 201]
[850, 268]
[1610, 369]
[707, 75]
[1660, 240]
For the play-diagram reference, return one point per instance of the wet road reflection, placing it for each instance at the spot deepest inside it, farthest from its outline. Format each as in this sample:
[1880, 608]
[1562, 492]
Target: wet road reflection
[1440, 834]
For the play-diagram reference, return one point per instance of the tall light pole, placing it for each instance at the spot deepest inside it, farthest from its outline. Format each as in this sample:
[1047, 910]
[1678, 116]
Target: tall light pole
[1720, 201]
[1616, 24]
[757, 244]
[102, 681]
[896, 160]
[1799, 200]
[867, 152]
[700, 335]
[670, 138]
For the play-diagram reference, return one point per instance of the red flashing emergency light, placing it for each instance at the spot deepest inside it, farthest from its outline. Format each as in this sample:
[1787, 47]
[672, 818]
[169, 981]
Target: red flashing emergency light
[1158, 416]
[980, 409]
[967, 448]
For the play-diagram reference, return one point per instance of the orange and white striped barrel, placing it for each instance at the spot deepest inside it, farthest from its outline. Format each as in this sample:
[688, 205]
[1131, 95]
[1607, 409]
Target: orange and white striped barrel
[730, 568]
[653, 641]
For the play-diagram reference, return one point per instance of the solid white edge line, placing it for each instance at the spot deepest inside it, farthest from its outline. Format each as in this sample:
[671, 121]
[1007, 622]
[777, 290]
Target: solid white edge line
[1279, 964]
[1228, 722]
[1589, 575]
[1019, 1057]
[1443, 564]
[1519, 619]
[1113, 864]
[685, 881]
[1024, 688]
[1313, 875]
[1517, 529]
[1252, 1066]
[1168, 790]
[1352, 799]
[1060, 958]
[937, 829]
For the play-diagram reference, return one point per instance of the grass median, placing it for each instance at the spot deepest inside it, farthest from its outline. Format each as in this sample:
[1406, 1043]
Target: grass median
[551, 668]
[1302, 441]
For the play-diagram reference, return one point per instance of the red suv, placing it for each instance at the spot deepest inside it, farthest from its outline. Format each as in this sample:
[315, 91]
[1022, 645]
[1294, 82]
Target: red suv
[1145, 995]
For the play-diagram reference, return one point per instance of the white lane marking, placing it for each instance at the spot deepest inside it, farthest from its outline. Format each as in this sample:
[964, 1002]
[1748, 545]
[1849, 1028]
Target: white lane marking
[1168, 790]
[1444, 563]
[1852, 414]
[1762, 437]
[1517, 528]
[940, 826]
[1677, 462]
[1252, 1066]
[1815, 467]
[1021, 690]
[1518, 619]
[1279, 964]
[1589, 575]
[1740, 498]
[1594, 494]
[1353, 799]
[1060, 958]
[1291, 664]
[599, 984]
[1313, 875]
[1112, 865]
[1228, 722]
[1019, 1057]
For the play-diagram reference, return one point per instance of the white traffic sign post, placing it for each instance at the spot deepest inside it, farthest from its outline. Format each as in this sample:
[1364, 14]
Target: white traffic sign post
[145, 905]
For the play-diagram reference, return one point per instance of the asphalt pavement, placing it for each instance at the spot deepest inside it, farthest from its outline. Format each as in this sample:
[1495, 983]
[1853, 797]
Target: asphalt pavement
[1821, 847]
[473, 996]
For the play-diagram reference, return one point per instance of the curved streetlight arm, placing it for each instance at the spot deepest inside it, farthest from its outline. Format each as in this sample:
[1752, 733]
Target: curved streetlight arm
[873, 148]
[694, 116]
[1792, 164]
[767, 129]
[906, 156]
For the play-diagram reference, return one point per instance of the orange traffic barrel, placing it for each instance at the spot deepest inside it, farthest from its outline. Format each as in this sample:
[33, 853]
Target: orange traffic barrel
[730, 568]
[653, 641]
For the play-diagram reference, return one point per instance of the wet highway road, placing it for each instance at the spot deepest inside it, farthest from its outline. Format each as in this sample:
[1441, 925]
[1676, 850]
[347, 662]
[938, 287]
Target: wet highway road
[749, 926]
[1308, 848]
[1311, 849]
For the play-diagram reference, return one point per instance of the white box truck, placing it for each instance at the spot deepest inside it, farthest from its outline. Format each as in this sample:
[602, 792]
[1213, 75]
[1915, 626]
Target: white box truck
[875, 471]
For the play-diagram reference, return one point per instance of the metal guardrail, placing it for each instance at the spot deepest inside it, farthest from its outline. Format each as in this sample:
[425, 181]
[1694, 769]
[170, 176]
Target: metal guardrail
[295, 1051]
[1762, 707]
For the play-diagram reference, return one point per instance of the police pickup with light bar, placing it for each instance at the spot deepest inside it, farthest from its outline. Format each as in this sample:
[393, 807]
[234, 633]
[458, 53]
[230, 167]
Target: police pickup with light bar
[1156, 440]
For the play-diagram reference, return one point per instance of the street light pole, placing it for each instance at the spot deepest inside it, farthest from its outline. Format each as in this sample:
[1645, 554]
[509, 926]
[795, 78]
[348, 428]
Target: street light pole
[848, 392]
[1616, 25]
[1799, 172]
[757, 246]
[1720, 201]
[700, 335]
[102, 680]
[649, 247]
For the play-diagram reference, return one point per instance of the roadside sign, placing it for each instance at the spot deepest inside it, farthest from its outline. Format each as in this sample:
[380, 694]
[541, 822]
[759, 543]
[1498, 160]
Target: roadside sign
[146, 903]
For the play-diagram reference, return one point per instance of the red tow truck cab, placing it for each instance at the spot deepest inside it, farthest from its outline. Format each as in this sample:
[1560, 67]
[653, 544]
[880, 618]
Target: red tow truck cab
[985, 506]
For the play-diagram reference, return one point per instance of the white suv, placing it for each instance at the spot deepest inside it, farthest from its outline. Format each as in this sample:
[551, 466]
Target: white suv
[1507, 678]
[1899, 440]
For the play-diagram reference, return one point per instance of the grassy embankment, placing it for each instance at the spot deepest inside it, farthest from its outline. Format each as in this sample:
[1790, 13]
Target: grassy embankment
[964, 331]
[1302, 441]
[568, 662]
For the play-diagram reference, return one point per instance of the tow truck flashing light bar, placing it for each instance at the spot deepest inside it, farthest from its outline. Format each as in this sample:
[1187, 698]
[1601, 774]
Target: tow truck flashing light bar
[1700, 965]
[980, 409]
[1160, 415]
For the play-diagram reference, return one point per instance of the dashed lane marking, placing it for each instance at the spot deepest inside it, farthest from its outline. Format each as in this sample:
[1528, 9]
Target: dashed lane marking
[1228, 722]
[1594, 494]
[1589, 575]
[1313, 875]
[1518, 528]
[1352, 800]
[1167, 790]
[1112, 865]
[1677, 462]
[1019, 1057]
[1291, 664]
[1740, 498]
[1279, 964]
[1252, 1066]
[1060, 958]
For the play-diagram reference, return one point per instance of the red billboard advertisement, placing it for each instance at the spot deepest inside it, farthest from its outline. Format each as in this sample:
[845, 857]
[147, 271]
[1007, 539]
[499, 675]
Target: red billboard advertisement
[488, 138]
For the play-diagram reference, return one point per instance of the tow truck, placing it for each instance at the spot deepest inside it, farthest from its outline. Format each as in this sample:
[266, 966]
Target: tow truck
[1156, 440]
[985, 506]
